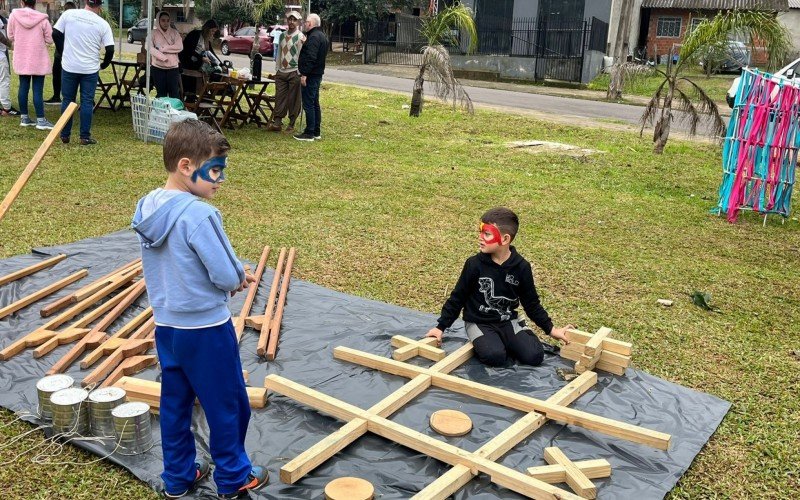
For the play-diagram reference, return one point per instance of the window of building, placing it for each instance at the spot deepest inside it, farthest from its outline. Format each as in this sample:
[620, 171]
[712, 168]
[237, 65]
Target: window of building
[669, 27]
[179, 17]
[696, 22]
[416, 11]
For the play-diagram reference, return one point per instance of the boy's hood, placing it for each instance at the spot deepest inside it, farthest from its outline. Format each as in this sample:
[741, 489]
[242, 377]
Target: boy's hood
[29, 18]
[154, 229]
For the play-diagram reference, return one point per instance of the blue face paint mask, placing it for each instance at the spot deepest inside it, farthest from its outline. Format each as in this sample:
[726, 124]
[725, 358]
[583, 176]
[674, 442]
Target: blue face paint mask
[204, 172]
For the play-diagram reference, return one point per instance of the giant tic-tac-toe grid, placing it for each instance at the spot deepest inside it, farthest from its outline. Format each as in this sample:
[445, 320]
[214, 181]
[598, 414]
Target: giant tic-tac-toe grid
[465, 464]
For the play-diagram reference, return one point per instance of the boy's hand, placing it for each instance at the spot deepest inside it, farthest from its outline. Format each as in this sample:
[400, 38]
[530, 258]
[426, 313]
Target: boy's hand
[248, 278]
[437, 334]
[561, 333]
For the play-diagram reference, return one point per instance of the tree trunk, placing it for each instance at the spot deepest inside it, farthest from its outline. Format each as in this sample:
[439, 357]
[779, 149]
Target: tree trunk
[418, 96]
[661, 132]
[617, 80]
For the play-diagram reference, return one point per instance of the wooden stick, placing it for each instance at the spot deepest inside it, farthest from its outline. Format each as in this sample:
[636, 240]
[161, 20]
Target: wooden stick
[37, 159]
[63, 302]
[44, 292]
[408, 348]
[307, 461]
[8, 278]
[113, 342]
[417, 441]
[510, 399]
[450, 482]
[612, 345]
[150, 392]
[263, 338]
[131, 347]
[251, 294]
[275, 325]
[592, 469]
[129, 367]
[97, 335]
[47, 331]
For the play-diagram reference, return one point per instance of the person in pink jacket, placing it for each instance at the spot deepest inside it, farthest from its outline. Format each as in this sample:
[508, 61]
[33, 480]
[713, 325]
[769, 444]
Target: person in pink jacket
[165, 45]
[30, 31]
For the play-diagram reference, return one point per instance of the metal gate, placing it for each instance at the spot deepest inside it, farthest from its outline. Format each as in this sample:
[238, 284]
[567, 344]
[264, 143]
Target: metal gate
[558, 46]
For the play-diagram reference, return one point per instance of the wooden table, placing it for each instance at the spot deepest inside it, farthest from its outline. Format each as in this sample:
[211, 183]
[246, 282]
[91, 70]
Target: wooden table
[217, 101]
[104, 88]
[259, 103]
[126, 76]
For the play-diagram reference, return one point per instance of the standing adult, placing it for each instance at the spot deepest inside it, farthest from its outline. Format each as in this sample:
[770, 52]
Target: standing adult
[56, 99]
[164, 47]
[6, 109]
[196, 47]
[312, 67]
[287, 49]
[30, 32]
[80, 34]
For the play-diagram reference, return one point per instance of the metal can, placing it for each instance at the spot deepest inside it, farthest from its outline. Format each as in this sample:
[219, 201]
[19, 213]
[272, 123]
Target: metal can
[70, 411]
[101, 402]
[45, 388]
[132, 428]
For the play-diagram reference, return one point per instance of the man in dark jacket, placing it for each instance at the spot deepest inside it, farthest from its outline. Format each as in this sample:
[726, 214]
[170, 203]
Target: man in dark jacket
[312, 67]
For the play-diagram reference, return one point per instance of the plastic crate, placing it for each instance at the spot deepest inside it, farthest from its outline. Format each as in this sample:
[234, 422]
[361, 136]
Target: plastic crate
[151, 118]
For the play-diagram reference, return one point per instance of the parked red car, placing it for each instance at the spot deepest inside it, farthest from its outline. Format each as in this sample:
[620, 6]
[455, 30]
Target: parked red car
[241, 42]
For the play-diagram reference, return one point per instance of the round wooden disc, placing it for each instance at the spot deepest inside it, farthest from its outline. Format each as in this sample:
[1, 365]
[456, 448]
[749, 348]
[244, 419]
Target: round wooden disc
[451, 423]
[349, 488]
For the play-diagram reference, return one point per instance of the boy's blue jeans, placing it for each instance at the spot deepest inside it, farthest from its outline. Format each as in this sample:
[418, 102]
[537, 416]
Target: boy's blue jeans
[38, 94]
[69, 90]
[202, 363]
[310, 95]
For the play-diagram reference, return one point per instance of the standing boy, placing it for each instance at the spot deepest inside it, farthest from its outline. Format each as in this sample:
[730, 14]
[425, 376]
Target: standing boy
[492, 285]
[190, 270]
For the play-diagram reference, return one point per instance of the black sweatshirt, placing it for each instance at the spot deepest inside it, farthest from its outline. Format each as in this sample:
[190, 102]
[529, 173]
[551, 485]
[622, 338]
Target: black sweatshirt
[312, 56]
[490, 293]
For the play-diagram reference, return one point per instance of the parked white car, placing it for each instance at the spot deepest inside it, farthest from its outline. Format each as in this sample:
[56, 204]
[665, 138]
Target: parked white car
[790, 72]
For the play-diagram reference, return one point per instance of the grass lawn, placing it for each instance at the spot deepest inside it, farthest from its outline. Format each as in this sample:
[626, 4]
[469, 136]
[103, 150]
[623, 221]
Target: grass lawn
[715, 86]
[386, 207]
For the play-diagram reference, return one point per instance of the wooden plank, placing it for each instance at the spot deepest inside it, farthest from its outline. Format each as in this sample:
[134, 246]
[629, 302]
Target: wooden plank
[263, 338]
[115, 341]
[129, 367]
[454, 359]
[574, 352]
[611, 345]
[26, 271]
[257, 397]
[593, 469]
[399, 398]
[408, 348]
[44, 292]
[601, 364]
[576, 479]
[510, 399]
[418, 441]
[275, 324]
[89, 290]
[251, 294]
[151, 391]
[66, 115]
[458, 476]
[63, 302]
[591, 347]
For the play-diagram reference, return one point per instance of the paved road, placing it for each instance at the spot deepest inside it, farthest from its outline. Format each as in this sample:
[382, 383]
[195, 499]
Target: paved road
[562, 109]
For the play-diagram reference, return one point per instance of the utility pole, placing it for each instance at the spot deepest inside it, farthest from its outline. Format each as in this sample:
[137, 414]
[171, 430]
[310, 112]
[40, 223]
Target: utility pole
[617, 80]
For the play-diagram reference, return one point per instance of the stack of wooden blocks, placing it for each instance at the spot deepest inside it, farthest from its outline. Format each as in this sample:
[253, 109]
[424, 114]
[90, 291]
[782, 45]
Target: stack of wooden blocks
[598, 351]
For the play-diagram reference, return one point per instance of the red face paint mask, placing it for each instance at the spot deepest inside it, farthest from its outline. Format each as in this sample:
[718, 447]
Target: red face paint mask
[495, 237]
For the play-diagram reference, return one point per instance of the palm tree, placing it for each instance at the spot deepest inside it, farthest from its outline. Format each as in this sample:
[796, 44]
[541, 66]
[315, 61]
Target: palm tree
[438, 30]
[681, 92]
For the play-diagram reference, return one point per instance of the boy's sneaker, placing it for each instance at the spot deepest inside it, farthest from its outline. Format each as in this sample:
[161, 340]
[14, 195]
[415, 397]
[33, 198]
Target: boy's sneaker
[25, 121]
[257, 478]
[53, 101]
[44, 124]
[202, 472]
[10, 111]
[304, 137]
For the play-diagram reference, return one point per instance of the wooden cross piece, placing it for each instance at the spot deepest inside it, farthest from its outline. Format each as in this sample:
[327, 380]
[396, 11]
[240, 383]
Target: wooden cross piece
[577, 475]
[598, 351]
[406, 348]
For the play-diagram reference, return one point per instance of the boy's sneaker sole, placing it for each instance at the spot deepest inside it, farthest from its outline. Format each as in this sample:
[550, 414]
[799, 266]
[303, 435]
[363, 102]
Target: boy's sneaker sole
[31, 124]
[255, 484]
[44, 127]
[203, 469]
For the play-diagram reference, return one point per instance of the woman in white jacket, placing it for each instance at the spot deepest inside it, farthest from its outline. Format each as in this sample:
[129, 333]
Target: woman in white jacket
[165, 44]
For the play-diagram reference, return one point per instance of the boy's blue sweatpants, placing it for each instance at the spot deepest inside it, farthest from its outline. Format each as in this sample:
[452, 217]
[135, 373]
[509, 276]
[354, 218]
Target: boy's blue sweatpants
[202, 363]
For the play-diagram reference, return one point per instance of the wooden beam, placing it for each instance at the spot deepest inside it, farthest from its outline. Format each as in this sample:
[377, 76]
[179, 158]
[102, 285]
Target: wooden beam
[263, 338]
[593, 469]
[602, 363]
[98, 334]
[574, 351]
[275, 324]
[130, 367]
[139, 342]
[150, 392]
[142, 321]
[26, 271]
[510, 399]
[307, 461]
[612, 345]
[53, 307]
[418, 441]
[576, 479]
[408, 348]
[239, 324]
[454, 479]
[44, 292]
[66, 115]
[594, 344]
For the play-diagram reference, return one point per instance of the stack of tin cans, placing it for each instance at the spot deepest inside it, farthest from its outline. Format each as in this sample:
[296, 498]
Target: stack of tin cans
[101, 403]
[45, 388]
[70, 411]
[132, 428]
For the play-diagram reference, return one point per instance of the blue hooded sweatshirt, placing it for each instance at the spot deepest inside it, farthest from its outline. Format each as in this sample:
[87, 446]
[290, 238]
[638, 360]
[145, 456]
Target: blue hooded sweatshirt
[189, 265]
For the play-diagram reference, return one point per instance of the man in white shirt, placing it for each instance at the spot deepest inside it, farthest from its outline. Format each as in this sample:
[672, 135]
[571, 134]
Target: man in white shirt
[6, 109]
[79, 35]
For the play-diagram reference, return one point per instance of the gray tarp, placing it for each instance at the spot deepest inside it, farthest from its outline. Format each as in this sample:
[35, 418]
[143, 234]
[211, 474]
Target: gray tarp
[315, 321]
